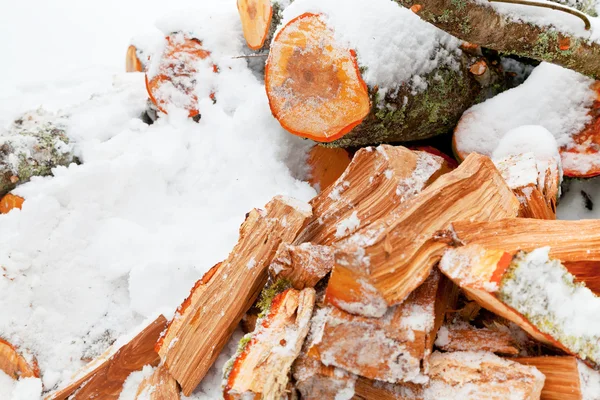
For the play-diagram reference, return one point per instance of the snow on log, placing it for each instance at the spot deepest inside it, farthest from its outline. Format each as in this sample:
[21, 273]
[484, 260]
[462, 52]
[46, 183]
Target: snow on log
[377, 181]
[575, 243]
[380, 265]
[14, 364]
[564, 102]
[562, 376]
[393, 348]
[261, 367]
[532, 290]
[35, 143]
[171, 76]
[510, 31]
[465, 337]
[9, 202]
[316, 381]
[217, 303]
[329, 77]
[536, 184]
[302, 265]
[326, 165]
[104, 377]
[481, 375]
[160, 385]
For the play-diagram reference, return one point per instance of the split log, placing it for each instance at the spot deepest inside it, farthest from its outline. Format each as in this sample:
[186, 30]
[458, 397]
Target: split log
[9, 202]
[13, 364]
[480, 375]
[35, 143]
[261, 367]
[536, 185]
[367, 389]
[326, 165]
[104, 377]
[575, 243]
[393, 348]
[465, 337]
[259, 19]
[377, 181]
[383, 263]
[158, 386]
[316, 381]
[132, 60]
[302, 265]
[318, 88]
[482, 24]
[170, 76]
[533, 291]
[562, 376]
[208, 317]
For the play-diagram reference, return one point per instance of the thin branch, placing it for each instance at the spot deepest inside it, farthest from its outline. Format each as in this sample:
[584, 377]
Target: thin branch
[252, 55]
[553, 6]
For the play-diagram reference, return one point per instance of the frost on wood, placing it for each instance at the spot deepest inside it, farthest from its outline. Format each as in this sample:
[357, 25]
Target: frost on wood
[481, 375]
[14, 364]
[160, 385]
[392, 348]
[302, 265]
[381, 264]
[533, 291]
[377, 181]
[536, 184]
[465, 337]
[35, 143]
[206, 320]
[262, 365]
[104, 376]
[367, 389]
[316, 381]
[562, 376]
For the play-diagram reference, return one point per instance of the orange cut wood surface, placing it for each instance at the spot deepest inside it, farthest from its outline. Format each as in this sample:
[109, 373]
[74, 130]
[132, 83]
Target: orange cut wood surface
[132, 62]
[314, 86]
[14, 364]
[10, 202]
[327, 165]
[256, 21]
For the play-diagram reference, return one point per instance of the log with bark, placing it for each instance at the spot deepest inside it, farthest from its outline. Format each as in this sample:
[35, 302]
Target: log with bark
[160, 385]
[465, 337]
[14, 364]
[104, 377]
[35, 143]
[562, 376]
[261, 366]
[393, 348]
[318, 88]
[482, 24]
[207, 318]
[376, 182]
[9, 202]
[302, 265]
[532, 290]
[381, 264]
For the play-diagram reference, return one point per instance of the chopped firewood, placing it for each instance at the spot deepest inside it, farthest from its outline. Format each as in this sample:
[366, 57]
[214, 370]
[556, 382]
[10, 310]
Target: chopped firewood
[480, 376]
[171, 76]
[451, 162]
[375, 183]
[303, 265]
[465, 337]
[208, 317]
[316, 88]
[9, 202]
[532, 290]
[536, 184]
[562, 376]
[256, 21]
[132, 61]
[575, 243]
[326, 164]
[249, 319]
[261, 367]
[383, 263]
[316, 381]
[158, 386]
[103, 378]
[392, 348]
[14, 364]
[368, 389]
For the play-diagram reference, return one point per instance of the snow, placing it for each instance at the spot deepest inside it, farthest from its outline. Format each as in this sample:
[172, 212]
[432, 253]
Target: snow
[589, 381]
[392, 43]
[23, 389]
[347, 225]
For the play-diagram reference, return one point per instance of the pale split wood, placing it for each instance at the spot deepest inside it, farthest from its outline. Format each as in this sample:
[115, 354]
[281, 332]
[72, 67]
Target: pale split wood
[316, 381]
[303, 265]
[261, 369]
[104, 377]
[486, 375]
[367, 389]
[205, 322]
[562, 376]
[13, 364]
[377, 181]
[466, 337]
[381, 264]
[160, 385]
